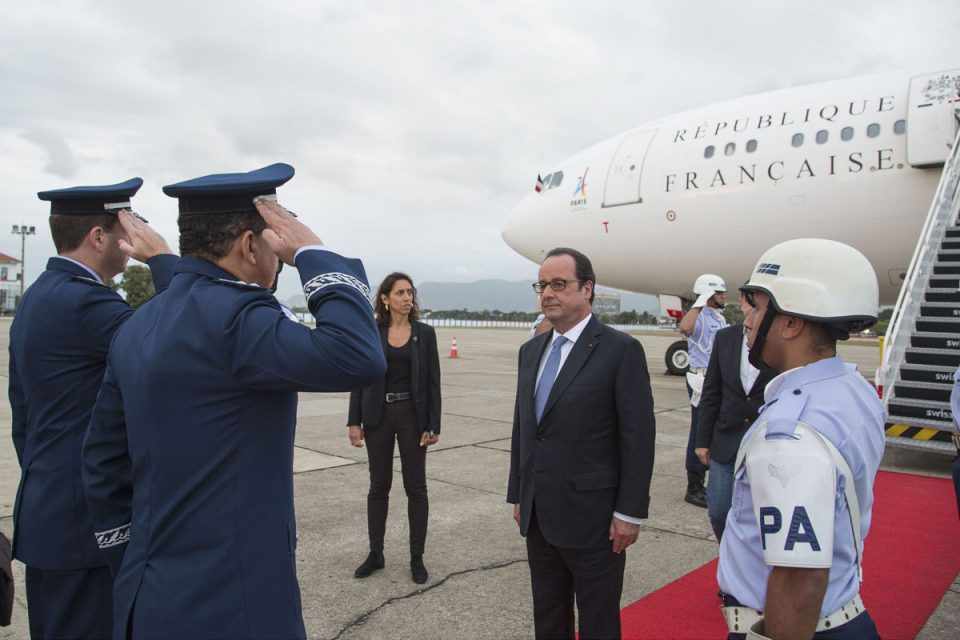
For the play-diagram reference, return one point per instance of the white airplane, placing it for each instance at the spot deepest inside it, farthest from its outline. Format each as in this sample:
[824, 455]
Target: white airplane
[708, 190]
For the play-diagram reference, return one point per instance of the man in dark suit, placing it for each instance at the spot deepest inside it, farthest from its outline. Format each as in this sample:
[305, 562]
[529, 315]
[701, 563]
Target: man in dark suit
[581, 457]
[188, 461]
[731, 398]
[58, 351]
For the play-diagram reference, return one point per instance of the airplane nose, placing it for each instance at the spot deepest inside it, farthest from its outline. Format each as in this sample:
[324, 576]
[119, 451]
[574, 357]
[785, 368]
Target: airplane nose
[522, 231]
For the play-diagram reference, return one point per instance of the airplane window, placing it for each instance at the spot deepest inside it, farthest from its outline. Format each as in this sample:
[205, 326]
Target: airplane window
[557, 179]
[846, 134]
[797, 139]
[708, 152]
[873, 130]
[751, 146]
[729, 149]
[900, 127]
[546, 181]
[822, 136]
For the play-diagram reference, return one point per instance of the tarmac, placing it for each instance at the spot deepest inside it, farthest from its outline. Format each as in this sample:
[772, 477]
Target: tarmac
[479, 583]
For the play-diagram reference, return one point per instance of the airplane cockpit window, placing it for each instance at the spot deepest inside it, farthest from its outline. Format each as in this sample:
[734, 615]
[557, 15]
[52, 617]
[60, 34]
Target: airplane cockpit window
[729, 149]
[557, 179]
[900, 127]
[708, 152]
[822, 136]
[751, 146]
[846, 134]
[873, 130]
[546, 181]
[797, 140]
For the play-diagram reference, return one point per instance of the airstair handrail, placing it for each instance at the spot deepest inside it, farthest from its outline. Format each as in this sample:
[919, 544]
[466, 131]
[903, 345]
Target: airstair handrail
[941, 207]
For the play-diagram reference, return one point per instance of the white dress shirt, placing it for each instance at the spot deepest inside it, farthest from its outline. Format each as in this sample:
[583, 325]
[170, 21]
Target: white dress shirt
[93, 274]
[748, 372]
[572, 336]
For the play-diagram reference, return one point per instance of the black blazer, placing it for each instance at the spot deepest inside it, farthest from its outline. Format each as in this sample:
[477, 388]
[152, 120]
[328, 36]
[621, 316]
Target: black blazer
[366, 405]
[726, 412]
[592, 453]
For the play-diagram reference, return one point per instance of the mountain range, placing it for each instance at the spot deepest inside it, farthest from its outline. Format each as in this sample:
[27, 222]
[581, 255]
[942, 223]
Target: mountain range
[502, 295]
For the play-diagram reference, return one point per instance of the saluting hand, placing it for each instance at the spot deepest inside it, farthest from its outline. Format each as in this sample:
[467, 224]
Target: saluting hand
[284, 233]
[142, 241]
[623, 534]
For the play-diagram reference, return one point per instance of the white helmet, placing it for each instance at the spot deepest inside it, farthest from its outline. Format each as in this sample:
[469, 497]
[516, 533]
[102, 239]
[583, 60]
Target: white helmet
[706, 286]
[822, 280]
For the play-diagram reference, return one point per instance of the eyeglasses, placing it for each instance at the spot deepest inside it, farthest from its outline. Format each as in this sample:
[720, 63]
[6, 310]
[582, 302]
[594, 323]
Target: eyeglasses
[557, 284]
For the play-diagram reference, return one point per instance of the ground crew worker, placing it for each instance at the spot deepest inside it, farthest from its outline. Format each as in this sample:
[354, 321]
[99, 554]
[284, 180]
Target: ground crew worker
[188, 461]
[700, 325]
[58, 350]
[803, 491]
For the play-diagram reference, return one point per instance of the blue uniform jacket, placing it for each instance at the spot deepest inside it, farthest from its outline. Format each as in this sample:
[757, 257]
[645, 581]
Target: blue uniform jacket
[58, 352]
[188, 461]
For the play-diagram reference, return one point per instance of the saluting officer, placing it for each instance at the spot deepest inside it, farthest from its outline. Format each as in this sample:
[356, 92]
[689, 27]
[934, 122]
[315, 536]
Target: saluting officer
[188, 462]
[700, 324]
[791, 552]
[58, 350]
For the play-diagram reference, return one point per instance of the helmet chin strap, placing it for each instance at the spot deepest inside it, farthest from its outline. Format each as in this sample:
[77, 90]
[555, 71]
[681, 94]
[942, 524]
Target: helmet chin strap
[756, 351]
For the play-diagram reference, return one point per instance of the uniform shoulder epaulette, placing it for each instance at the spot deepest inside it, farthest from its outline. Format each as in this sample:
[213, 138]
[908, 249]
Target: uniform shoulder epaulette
[240, 284]
[785, 414]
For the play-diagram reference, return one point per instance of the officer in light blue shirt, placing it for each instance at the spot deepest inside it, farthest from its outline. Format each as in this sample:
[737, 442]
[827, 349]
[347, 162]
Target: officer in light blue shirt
[700, 324]
[955, 409]
[790, 557]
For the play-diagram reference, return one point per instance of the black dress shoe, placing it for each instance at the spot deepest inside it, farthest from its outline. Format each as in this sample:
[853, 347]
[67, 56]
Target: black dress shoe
[374, 562]
[696, 498]
[417, 569]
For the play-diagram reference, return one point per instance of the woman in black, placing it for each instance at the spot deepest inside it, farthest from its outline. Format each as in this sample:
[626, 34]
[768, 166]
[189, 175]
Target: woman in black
[403, 407]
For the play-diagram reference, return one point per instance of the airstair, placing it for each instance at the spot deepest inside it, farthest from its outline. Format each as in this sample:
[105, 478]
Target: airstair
[922, 347]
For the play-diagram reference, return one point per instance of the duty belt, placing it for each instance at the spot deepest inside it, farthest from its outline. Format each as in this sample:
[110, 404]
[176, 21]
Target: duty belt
[739, 618]
[390, 398]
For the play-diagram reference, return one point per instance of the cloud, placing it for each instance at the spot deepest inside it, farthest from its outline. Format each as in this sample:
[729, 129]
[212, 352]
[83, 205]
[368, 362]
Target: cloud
[62, 162]
[414, 128]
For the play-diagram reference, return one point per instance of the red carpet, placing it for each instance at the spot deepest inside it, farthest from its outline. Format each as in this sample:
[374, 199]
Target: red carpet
[911, 558]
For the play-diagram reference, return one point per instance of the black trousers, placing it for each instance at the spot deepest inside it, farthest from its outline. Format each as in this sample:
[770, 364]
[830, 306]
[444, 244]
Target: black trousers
[694, 466]
[592, 577]
[399, 425]
[70, 605]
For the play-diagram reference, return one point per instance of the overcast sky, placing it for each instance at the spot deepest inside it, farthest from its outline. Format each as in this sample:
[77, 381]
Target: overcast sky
[413, 127]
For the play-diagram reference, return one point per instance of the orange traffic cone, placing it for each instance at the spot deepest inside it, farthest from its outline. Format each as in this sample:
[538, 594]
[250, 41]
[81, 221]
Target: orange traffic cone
[454, 353]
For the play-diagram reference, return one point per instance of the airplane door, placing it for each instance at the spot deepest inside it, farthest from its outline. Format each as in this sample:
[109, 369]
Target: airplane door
[623, 177]
[932, 117]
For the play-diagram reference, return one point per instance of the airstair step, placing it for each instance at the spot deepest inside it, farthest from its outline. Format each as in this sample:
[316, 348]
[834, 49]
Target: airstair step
[922, 391]
[939, 357]
[932, 413]
[938, 325]
[949, 243]
[939, 310]
[941, 282]
[931, 340]
[926, 373]
[942, 295]
[942, 268]
[948, 256]
[953, 232]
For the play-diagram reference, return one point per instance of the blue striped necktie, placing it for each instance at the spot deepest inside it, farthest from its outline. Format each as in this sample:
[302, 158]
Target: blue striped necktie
[548, 377]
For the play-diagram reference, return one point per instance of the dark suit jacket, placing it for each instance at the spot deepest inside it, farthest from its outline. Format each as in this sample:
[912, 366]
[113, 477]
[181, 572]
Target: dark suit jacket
[188, 460]
[366, 405]
[58, 353]
[592, 452]
[726, 411]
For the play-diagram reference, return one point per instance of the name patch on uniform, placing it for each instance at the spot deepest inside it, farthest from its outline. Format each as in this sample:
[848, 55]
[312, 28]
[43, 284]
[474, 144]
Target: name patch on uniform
[113, 537]
[325, 280]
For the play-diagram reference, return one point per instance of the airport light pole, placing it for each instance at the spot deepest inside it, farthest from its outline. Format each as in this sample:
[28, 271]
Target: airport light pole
[23, 231]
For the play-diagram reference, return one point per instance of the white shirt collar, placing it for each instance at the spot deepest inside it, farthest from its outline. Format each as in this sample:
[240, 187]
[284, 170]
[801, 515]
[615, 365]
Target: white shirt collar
[93, 273]
[574, 333]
